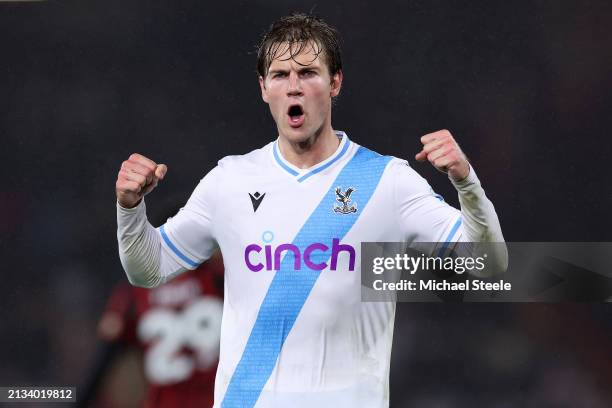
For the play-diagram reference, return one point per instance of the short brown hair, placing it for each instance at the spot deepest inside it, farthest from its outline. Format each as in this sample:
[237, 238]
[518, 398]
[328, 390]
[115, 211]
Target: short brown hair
[299, 31]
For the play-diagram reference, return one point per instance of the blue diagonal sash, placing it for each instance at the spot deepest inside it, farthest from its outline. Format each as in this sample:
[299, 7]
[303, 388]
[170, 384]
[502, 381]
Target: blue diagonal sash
[289, 289]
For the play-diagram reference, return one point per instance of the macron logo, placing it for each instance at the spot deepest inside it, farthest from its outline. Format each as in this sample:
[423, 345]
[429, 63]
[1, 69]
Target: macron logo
[256, 199]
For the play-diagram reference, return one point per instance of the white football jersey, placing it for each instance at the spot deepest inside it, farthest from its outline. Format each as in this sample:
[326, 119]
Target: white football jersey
[295, 332]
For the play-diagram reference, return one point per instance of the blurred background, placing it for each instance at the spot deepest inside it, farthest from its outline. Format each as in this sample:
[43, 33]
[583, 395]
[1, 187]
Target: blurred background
[524, 87]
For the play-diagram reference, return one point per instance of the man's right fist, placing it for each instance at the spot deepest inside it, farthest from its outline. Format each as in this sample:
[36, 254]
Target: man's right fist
[137, 177]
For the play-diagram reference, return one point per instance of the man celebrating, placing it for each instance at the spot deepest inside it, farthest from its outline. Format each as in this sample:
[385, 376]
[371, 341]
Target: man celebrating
[289, 219]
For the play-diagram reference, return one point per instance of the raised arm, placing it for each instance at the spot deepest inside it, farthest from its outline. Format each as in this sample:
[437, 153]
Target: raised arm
[479, 219]
[151, 256]
[140, 248]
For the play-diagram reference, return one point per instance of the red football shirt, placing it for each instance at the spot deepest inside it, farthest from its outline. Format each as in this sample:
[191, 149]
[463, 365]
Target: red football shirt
[177, 325]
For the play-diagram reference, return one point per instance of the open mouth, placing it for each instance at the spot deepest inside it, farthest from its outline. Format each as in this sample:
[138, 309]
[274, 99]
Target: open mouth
[296, 115]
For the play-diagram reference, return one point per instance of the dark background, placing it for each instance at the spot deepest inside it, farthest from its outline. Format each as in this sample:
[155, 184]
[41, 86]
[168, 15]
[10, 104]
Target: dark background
[524, 88]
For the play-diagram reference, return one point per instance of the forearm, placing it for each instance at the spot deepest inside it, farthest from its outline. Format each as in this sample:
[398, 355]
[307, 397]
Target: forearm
[140, 250]
[479, 219]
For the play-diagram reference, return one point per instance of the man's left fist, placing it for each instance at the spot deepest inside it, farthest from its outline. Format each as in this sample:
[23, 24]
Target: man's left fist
[443, 152]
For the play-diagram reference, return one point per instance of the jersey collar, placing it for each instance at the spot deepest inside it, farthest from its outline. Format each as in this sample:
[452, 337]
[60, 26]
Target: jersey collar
[303, 174]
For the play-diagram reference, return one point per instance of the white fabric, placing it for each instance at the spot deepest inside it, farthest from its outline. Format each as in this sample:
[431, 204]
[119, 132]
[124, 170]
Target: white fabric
[337, 353]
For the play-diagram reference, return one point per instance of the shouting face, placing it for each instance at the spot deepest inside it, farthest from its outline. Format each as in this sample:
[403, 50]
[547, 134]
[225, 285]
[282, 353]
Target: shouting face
[299, 89]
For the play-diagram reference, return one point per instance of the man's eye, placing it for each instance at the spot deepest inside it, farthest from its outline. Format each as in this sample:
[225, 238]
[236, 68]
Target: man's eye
[308, 73]
[279, 75]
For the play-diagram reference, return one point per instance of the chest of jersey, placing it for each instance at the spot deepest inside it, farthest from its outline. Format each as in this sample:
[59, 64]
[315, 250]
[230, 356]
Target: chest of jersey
[274, 225]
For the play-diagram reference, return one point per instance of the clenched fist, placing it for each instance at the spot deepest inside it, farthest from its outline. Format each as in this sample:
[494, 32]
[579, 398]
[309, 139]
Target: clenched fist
[137, 177]
[443, 152]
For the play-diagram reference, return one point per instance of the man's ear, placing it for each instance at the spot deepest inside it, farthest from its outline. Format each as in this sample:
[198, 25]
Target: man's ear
[264, 91]
[336, 84]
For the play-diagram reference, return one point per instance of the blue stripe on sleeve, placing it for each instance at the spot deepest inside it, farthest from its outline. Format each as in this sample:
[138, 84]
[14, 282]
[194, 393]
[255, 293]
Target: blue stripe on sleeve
[450, 236]
[175, 249]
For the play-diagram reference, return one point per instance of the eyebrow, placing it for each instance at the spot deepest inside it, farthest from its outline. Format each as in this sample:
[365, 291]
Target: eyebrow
[284, 71]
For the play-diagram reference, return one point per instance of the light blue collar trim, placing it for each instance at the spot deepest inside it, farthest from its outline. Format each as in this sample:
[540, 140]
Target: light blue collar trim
[281, 162]
[303, 175]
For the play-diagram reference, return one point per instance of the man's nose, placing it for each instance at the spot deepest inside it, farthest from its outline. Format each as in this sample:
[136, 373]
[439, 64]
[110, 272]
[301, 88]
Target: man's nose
[295, 85]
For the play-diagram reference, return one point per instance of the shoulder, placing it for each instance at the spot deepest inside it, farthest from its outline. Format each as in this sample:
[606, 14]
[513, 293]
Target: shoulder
[245, 163]
[402, 169]
[367, 159]
[398, 175]
[394, 166]
[230, 167]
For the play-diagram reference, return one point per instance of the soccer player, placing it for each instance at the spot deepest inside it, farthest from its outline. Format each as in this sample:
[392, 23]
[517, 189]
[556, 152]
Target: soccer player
[177, 327]
[289, 219]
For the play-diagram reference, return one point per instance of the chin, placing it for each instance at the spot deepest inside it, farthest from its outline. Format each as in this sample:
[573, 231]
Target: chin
[297, 135]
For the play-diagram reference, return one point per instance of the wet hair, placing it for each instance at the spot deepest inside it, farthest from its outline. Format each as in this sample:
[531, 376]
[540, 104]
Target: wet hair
[293, 34]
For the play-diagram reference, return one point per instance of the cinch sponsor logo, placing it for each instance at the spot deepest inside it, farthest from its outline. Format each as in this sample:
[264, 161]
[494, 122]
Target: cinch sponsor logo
[252, 253]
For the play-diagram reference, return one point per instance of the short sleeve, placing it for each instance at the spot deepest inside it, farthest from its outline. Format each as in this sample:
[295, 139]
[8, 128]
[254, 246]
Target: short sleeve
[189, 236]
[424, 215]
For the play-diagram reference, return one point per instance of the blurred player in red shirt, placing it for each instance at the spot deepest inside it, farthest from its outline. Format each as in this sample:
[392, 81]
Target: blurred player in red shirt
[177, 326]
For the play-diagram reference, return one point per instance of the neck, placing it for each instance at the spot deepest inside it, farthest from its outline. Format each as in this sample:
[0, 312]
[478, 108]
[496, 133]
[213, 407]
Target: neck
[309, 152]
